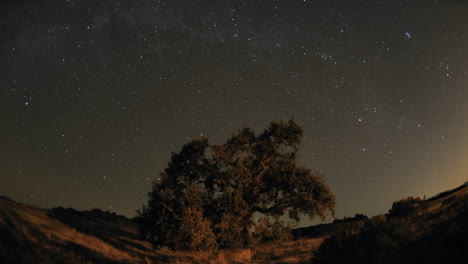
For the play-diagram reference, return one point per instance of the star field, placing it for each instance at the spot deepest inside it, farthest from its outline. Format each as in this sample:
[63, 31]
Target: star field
[95, 95]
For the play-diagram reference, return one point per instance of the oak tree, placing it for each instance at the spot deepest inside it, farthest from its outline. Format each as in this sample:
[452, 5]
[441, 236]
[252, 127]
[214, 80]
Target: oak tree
[209, 195]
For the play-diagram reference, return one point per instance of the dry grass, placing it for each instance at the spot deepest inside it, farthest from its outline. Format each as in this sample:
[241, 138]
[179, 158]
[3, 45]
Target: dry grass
[436, 204]
[36, 226]
[239, 256]
[299, 251]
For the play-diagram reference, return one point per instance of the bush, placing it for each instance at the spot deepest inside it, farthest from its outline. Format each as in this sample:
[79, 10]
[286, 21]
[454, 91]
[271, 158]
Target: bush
[404, 236]
[407, 207]
[357, 217]
[272, 231]
[195, 232]
[381, 240]
[229, 232]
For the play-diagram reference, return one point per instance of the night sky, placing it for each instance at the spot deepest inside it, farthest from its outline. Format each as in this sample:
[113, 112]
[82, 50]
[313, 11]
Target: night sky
[95, 95]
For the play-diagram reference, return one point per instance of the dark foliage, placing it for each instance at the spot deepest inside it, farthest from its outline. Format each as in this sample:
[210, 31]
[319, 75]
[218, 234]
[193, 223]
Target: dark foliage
[404, 237]
[268, 229]
[407, 206]
[356, 217]
[379, 241]
[208, 195]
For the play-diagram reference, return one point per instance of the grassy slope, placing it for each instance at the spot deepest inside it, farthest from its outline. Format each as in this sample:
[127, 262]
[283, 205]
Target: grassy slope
[437, 235]
[29, 234]
[34, 236]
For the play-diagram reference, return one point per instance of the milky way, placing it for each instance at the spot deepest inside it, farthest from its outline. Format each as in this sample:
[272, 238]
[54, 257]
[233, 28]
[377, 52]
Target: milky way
[95, 95]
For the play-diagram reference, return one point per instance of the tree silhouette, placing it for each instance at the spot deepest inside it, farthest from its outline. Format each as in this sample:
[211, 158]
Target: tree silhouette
[208, 196]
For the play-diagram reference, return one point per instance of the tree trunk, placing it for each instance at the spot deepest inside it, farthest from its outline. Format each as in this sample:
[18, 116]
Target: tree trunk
[248, 236]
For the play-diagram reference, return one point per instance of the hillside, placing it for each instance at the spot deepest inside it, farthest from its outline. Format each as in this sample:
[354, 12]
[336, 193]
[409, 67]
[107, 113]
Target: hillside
[34, 235]
[413, 231]
[29, 234]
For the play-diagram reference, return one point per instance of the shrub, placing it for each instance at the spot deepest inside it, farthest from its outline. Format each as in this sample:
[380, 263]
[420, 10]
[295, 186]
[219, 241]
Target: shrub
[407, 207]
[272, 231]
[357, 217]
[381, 240]
[195, 232]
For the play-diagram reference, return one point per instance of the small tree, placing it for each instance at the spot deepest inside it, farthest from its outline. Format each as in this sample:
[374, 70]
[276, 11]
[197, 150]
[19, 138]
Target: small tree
[222, 190]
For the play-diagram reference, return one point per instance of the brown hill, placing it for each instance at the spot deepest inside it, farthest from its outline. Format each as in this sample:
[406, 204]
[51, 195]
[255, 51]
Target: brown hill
[29, 234]
[413, 231]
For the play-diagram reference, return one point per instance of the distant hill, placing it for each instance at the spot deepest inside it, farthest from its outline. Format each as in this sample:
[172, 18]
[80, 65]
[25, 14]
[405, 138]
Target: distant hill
[448, 192]
[29, 234]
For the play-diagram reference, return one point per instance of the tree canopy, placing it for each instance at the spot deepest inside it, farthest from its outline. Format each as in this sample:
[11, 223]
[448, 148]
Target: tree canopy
[209, 196]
